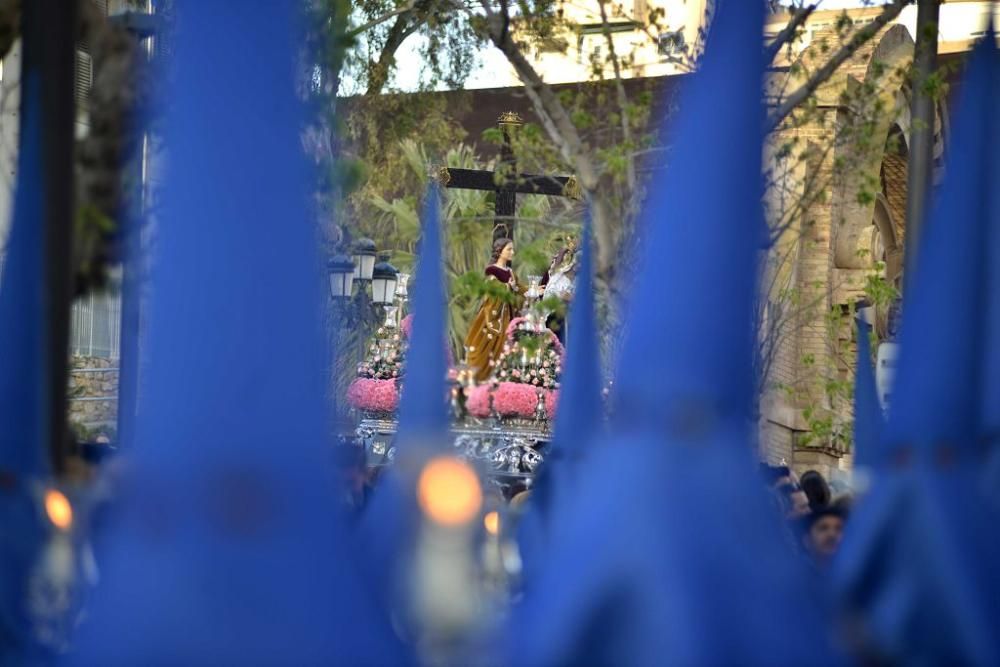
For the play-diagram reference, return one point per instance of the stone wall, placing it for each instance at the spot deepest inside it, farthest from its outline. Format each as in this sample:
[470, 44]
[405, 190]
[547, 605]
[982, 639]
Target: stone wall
[809, 261]
[93, 392]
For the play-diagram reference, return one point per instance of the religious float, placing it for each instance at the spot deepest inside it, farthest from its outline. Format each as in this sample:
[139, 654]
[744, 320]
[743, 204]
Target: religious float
[503, 424]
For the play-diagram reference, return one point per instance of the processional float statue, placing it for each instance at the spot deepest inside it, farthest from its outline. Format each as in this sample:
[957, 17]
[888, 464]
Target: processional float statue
[504, 393]
[505, 390]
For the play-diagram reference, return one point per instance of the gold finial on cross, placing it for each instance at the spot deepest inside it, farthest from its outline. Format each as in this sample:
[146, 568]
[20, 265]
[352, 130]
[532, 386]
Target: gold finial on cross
[444, 176]
[510, 119]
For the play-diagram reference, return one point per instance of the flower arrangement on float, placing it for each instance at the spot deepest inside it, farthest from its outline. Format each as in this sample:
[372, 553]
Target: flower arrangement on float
[526, 376]
[376, 387]
[373, 395]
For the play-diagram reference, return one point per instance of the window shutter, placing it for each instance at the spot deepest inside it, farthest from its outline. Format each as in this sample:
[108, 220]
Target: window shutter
[84, 79]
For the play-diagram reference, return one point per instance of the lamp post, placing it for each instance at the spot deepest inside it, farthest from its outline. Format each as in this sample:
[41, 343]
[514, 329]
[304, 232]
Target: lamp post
[361, 288]
[383, 278]
[342, 271]
[364, 259]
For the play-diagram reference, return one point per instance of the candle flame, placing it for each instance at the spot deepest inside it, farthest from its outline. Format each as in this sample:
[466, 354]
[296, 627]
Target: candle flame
[492, 522]
[449, 492]
[59, 510]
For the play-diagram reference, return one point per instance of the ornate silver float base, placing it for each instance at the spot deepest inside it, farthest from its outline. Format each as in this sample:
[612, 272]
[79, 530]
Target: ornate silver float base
[508, 452]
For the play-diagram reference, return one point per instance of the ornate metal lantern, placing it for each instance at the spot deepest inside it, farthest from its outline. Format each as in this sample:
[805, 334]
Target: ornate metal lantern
[364, 259]
[383, 278]
[342, 271]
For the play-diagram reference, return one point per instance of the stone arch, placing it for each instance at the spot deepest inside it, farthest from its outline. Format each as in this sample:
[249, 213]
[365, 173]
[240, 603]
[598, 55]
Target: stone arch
[858, 221]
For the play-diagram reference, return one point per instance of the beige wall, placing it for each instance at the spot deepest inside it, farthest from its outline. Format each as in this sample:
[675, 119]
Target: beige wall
[574, 62]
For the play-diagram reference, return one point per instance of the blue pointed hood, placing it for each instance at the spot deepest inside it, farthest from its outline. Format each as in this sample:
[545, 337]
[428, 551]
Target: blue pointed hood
[24, 456]
[938, 388]
[990, 417]
[423, 411]
[23, 321]
[689, 335]
[868, 420]
[580, 418]
[673, 537]
[916, 565]
[227, 544]
[390, 519]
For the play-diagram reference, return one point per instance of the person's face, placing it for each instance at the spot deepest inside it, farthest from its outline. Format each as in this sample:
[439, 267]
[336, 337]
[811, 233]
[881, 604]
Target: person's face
[507, 254]
[825, 535]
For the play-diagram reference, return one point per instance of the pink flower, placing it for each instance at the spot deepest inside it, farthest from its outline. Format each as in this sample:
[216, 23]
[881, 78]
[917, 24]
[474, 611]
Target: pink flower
[512, 327]
[513, 399]
[407, 325]
[516, 373]
[477, 401]
[373, 395]
[551, 401]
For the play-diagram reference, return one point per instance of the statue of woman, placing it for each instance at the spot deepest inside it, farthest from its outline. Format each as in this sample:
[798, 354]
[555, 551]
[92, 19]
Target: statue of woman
[558, 282]
[488, 331]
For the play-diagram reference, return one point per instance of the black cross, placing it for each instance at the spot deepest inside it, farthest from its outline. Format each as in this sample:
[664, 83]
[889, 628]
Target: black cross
[509, 183]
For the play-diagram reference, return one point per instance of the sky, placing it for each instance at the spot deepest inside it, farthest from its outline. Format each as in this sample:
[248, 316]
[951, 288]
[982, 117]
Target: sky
[492, 61]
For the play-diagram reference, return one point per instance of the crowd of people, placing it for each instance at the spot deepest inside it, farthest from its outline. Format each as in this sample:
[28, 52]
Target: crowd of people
[814, 512]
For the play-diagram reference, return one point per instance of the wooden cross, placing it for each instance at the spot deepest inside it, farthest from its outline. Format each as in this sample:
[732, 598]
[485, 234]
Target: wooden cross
[508, 183]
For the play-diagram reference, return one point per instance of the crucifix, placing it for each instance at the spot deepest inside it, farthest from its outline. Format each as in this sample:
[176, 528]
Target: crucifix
[506, 182]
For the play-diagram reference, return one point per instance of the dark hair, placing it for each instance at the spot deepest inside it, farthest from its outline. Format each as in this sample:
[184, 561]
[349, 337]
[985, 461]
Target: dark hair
[809, 520]
[816, 489]
[498, 246]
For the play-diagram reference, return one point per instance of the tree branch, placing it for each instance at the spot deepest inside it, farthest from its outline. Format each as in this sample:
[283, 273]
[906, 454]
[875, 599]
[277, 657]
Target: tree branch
[620, 91]
[821, 75]
[799, 17]
[379, 74]
[381, 19]
[558, 124]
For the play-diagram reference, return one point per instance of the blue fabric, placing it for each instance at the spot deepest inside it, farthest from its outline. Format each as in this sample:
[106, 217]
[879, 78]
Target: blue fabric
[423, 409]
[698, 251]
[918, 562]
[389, 522]
[23, 319]
[579, 420]
[226, 545]
[939, 384]
[868, 420]
[672, 553]
[24, 459]
[990, 427]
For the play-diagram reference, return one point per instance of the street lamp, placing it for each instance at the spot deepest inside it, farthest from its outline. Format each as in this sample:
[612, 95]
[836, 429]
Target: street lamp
[364, 259]
[342, 271]
[383, 278]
